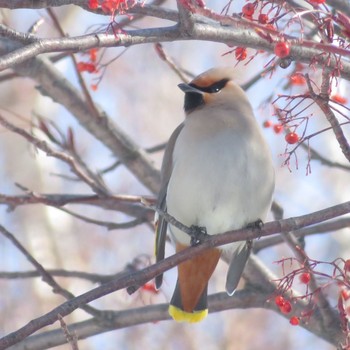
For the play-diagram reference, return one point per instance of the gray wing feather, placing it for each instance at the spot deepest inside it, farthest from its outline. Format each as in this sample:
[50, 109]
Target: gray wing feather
[161, 202]
[160, 241]
[237, 264]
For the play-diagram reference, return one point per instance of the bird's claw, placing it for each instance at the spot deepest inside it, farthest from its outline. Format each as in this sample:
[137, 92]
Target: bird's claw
[197, 235]
[256, 225]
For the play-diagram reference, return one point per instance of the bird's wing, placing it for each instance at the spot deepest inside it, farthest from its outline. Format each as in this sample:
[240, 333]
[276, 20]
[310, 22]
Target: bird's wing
[237, 264]
[161, 225]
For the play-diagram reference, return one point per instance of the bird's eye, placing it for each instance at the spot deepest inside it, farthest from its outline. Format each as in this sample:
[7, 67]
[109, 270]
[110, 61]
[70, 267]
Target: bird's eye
[218, 86]
[214, 88]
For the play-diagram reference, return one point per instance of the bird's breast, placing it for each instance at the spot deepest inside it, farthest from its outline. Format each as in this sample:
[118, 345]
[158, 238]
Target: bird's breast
[216, 175]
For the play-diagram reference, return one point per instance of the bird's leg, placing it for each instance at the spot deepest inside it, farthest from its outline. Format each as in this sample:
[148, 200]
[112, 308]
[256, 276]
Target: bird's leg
[256, 225]
[249, 243]
[197, 235]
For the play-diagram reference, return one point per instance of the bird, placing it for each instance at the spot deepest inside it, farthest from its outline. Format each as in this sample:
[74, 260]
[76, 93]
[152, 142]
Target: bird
[217, 175]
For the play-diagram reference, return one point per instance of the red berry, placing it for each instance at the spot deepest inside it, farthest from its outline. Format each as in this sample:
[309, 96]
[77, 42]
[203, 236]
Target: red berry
[294, 321]
[279, 300]
[305, 278]
[248, 10]
[297, 79]
[299, 66]
[150, 286]
[241, 53]
[282, 49]
[93, 4]
[317, 2]
[292, 138]
[267, 124]
[339, 99]
[93, 54]
[286, 308]
[345, 293]
[263, 18]
[278, 128]
[347, 266]
[86, 67]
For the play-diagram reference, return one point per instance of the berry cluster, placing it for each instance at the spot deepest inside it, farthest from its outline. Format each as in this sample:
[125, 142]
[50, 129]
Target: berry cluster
[340, 278]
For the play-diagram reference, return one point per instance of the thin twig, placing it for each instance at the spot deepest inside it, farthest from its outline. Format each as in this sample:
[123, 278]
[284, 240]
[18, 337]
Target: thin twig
[42, 145]
[47, 278]
[108, 224]
[72, 339]
[322, 100]
[170, 62]
[92, 277]
[117, 163]
[325, 161]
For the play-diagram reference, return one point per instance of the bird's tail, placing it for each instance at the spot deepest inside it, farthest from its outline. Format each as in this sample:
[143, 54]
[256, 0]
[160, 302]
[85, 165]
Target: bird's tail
[189, 301]
[195, 314]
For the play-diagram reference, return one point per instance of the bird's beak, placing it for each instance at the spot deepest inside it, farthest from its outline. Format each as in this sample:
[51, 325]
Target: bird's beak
[188, 88]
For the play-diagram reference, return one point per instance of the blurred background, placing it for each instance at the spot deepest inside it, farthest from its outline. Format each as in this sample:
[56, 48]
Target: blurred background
[139, 93]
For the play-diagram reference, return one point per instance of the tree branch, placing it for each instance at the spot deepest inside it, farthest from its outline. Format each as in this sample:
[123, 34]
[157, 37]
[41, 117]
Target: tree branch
[130, 205]
[228, 30]
[139, 278]
[127, 318]
[53, 84]
[324, 227]
[257, 295]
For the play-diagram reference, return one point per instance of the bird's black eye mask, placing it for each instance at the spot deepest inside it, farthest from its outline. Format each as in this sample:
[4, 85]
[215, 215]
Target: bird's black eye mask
[213, 88]
[194, 100]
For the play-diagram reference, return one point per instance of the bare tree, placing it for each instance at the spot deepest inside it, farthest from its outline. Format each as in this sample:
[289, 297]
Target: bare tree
[101, 104]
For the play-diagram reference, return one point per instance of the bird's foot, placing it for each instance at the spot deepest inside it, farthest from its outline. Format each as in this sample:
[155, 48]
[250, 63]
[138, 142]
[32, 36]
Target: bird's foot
[197, 235]
[256, 225]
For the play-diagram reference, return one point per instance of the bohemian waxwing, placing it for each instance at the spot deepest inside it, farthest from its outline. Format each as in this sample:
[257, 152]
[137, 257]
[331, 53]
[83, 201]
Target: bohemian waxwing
[217, 174]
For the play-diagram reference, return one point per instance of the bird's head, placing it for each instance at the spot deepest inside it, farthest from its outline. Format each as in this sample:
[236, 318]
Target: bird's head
[212, 87]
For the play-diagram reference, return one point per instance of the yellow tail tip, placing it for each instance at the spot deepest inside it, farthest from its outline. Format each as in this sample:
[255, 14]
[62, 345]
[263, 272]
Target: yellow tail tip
[182, 316]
